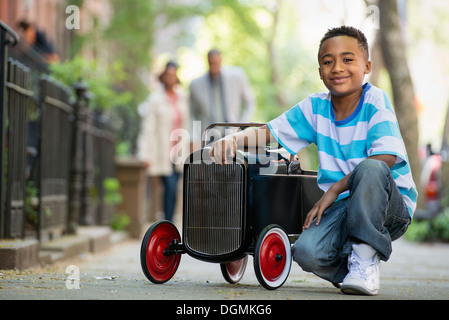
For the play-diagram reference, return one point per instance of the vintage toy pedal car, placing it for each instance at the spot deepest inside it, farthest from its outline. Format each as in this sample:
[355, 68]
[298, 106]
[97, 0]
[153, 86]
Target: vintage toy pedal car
[232, 211]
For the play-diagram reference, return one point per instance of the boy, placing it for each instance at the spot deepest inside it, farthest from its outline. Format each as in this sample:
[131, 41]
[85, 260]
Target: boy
[369, 194]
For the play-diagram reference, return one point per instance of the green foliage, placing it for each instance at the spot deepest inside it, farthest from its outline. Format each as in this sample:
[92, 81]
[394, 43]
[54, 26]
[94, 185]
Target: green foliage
[119, 221]
[112, 188]
[131, 31]
[436, 229]
[101, 81]
[123, 148]
[440, 226]
[418, 231]
[31, 201]
[112, 196]
[129, 38]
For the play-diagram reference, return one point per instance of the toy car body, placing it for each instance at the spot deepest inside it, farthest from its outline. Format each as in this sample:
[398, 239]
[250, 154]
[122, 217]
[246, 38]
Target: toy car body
[254, 206]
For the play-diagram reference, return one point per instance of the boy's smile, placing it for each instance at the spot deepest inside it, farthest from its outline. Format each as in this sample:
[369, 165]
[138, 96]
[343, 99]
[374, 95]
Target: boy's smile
[343, 65]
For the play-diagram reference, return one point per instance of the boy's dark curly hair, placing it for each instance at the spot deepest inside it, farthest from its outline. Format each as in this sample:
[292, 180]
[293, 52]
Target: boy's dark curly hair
[350, 32]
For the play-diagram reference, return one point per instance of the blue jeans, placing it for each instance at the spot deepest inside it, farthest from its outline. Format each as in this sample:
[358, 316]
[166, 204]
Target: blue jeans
[374, 213]
[170, 193]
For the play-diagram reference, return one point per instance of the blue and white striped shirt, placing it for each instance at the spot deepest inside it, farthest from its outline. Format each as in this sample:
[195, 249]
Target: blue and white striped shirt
[372, 129]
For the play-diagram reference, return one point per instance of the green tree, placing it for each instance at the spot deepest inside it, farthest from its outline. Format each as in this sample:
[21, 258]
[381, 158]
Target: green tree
[130, 38]
[99, 81]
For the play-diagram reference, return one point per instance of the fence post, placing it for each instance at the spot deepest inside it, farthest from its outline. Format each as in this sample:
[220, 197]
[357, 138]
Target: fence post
[3, 62]
[7, 38]
[76, 171]
[87, 209]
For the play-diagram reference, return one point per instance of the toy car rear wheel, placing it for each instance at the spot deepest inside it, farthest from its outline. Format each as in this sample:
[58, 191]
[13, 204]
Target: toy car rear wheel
[158, 264]
[233, 271]
[272, 257]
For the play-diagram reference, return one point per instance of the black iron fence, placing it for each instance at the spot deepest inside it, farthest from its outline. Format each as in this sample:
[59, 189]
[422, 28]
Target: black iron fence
[52, 170]
[19, 94]
[55, 153]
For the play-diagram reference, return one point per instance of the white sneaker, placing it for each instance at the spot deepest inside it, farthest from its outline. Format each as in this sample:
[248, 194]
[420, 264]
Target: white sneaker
[364, 271]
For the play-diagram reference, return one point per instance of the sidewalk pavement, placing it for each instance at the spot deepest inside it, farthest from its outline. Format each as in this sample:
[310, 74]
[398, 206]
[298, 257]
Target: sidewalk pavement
[28, 253]
[415, 271]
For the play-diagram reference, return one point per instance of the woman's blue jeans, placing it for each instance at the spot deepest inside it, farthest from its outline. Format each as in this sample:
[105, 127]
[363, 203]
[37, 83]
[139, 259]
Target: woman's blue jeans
[374, 213]
[170, 194]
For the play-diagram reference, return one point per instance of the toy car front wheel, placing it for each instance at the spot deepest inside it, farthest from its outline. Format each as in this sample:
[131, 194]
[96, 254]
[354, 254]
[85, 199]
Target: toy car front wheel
[158, 263]
[233, 271]
[272, 257]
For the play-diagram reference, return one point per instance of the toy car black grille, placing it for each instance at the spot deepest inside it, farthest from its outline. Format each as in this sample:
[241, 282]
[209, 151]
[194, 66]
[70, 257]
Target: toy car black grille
[214, 208]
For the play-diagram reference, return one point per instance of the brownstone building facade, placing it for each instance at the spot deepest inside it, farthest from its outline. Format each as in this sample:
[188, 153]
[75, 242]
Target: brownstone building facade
[48, 16]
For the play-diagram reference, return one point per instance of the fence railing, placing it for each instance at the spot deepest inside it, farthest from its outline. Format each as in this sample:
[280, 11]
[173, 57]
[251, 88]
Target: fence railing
[52, 167]
[15, 85]
[54, 162]
[19, 94]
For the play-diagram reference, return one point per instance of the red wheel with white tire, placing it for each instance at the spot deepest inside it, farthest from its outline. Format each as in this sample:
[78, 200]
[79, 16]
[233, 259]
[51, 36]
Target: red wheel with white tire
[233, 271]
[272, 257]
[159, 264]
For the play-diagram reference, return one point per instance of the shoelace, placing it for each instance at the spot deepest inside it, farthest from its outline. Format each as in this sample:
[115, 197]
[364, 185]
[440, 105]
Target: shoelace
[364, 269]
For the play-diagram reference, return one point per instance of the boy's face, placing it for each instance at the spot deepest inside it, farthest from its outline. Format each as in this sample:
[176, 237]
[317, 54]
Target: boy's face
[343, 65]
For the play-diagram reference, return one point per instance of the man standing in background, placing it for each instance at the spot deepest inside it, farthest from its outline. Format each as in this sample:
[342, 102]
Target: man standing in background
[223, 94]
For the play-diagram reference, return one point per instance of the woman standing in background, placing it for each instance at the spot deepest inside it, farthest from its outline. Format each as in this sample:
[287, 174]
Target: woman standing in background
[158, 145]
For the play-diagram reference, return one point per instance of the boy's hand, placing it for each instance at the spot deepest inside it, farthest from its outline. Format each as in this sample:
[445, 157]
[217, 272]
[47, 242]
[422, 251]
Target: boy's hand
[220, 150]
[334, 191]
[325, 202]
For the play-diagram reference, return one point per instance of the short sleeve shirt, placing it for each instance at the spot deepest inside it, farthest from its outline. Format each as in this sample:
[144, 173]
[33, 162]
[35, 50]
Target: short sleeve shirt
[372, 129]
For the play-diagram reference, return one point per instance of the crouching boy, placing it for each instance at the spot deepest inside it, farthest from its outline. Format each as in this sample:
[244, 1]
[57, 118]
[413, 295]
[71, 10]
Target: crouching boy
[369, 193]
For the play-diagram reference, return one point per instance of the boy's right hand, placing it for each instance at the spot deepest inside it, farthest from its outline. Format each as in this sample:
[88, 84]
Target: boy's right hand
[223, 151]
[318, 209]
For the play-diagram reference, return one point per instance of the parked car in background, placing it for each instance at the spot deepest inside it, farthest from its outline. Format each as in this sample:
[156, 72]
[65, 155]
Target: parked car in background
[435, 176]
